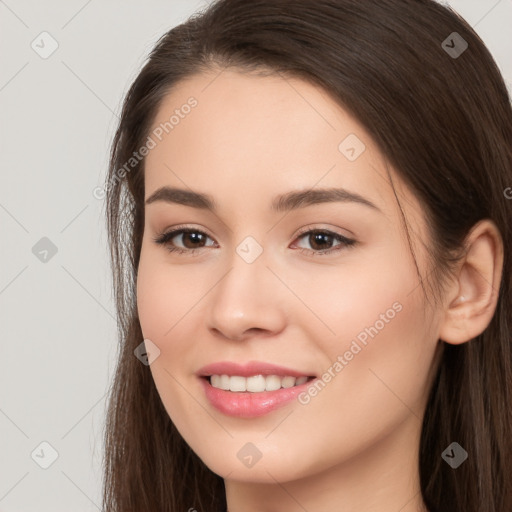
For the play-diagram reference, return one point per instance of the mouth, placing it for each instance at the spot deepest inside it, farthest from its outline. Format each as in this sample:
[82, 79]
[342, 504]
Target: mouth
[253, 388]
[250, 397]
[255, 383]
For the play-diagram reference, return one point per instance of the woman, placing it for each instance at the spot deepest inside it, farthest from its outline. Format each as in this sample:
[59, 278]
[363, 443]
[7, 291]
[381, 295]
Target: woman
[310, 234]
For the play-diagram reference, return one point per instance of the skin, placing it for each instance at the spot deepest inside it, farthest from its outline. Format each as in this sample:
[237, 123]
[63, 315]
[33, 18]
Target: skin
[354, 446]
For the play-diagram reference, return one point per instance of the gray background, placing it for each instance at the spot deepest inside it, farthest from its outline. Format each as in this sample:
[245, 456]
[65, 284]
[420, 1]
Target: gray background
[58, 331]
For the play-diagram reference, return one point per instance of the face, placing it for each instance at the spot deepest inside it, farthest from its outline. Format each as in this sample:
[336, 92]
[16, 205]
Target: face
[326, 290]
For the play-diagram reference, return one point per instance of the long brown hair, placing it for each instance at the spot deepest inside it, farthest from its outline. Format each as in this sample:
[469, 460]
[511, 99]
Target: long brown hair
[443, 120]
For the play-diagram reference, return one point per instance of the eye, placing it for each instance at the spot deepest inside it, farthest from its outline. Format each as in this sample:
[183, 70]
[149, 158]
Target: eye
[319, 238]
[189, 237]
[193, 240]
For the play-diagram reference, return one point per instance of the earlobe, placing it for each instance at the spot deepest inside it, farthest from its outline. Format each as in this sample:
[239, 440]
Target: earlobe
[476, 289]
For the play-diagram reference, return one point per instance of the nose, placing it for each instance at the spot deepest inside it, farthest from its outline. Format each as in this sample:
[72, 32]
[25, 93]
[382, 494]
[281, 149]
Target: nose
[248, 301]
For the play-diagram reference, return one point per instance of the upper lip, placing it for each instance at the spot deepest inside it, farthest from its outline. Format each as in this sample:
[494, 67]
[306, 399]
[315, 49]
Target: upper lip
[248, 369]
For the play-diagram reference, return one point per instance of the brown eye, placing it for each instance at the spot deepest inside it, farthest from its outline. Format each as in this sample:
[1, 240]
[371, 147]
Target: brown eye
[191, 239]
[319, 239]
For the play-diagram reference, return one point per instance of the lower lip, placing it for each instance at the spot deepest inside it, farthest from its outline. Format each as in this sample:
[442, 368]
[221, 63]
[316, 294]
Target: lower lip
[247, 404]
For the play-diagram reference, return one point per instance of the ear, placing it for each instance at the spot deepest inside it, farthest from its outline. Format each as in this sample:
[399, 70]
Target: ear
[472, 297]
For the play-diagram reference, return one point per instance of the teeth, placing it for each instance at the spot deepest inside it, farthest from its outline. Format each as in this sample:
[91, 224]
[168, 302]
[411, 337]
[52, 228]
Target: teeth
[237, 383]
[272, 383]
[256, 383]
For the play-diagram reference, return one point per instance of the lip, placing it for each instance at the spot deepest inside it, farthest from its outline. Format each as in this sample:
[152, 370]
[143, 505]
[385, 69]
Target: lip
[245, 404]
[249, 369]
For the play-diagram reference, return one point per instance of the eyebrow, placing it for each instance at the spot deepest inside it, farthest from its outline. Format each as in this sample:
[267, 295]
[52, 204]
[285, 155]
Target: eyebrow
[289, 201]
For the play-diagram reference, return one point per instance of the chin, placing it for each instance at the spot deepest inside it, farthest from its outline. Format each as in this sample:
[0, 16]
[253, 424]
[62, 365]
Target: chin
[270, 468]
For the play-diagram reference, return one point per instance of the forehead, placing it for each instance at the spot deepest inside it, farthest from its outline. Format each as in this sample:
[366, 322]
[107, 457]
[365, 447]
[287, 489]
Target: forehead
[245, 138]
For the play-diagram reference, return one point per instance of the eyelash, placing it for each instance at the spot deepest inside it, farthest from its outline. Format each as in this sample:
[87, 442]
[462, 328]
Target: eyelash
[164, 239]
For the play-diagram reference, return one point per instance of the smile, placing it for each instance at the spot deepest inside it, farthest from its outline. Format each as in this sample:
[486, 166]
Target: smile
[252, 402]
[256, 383]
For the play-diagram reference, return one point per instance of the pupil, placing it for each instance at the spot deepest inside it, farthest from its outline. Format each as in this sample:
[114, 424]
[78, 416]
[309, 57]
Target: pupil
[319, 237]
[196, 237]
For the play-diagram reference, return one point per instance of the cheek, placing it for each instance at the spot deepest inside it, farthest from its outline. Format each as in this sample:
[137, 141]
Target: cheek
[167, 300]
[367, 291]
[370, 388]
[381, 357]
[165, 294]
[151, 300]
[381, 341]
[163, 301]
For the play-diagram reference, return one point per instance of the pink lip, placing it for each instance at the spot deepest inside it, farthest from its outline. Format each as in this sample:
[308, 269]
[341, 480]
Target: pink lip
[249, 369]
[247, 404]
